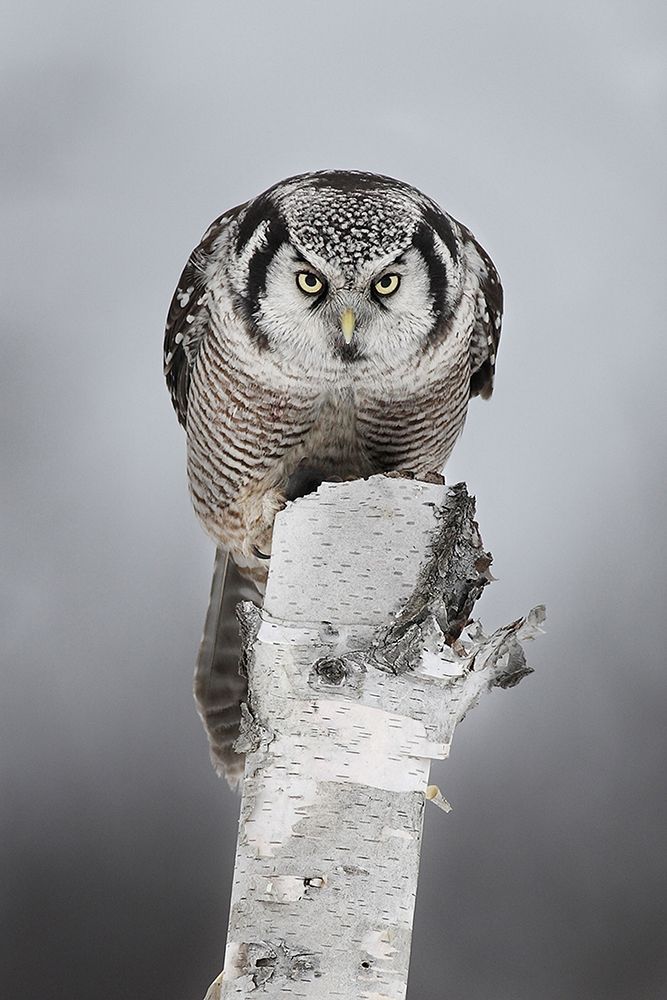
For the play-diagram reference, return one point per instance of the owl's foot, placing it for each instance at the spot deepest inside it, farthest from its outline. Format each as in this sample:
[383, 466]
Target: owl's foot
[259, 512]
[432, 477]
[422, 477]
[400, 474]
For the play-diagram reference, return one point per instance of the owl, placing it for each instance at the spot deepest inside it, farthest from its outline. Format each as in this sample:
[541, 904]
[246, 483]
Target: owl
[331, 328]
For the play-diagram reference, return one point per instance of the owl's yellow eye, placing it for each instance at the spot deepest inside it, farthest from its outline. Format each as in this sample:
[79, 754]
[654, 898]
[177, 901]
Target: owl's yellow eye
[309, 283]
[387, 284]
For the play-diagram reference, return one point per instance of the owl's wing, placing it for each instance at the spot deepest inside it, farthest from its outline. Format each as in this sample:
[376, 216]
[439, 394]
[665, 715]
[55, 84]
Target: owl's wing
[188, 319]
[487, 292]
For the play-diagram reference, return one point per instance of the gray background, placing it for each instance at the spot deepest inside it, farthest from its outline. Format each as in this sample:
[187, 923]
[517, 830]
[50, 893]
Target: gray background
[126, 130]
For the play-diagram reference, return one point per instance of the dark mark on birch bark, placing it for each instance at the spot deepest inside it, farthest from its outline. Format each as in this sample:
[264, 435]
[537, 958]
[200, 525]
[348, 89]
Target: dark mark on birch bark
[449, 584]
[262, 960]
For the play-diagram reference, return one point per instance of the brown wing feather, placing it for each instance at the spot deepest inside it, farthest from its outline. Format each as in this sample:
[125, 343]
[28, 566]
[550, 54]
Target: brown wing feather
[188, 317]
[488, 317]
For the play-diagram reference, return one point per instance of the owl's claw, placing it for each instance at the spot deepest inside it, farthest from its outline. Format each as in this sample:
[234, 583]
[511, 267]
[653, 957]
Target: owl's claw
[424, 477]
[433, 477]
[400, 474]
[258, 554]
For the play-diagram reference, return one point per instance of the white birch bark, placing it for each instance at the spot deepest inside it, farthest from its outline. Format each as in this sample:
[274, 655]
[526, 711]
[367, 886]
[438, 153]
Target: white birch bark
[359, 671]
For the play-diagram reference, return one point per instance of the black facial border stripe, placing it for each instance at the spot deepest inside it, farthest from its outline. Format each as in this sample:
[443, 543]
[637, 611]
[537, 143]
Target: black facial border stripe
[258, 265]
[441, 225]
[423, 242]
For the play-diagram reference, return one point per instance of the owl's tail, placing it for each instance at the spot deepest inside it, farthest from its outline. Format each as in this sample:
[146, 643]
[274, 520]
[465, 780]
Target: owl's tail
[219, 685]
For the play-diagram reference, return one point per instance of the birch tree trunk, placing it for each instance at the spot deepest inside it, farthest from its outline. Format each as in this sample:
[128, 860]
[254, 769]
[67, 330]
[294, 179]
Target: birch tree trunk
[361, 663]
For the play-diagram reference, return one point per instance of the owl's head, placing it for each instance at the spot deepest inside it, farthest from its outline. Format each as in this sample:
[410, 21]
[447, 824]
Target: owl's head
[334, 268]
[334, 273]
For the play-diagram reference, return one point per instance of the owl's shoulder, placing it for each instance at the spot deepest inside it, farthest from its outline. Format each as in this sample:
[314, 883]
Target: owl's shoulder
[189, 316]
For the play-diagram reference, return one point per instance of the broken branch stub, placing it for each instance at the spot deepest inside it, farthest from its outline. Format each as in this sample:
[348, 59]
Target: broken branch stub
[361, 663]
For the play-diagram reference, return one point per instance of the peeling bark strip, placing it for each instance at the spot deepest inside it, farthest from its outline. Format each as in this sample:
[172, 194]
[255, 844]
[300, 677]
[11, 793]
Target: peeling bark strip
[361, 664]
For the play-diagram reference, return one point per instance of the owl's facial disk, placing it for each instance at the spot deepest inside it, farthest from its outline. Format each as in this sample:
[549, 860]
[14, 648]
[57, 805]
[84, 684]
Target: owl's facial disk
[381, 311]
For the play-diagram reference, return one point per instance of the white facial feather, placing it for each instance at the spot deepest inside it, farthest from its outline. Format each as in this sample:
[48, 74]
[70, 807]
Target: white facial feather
[307, 333]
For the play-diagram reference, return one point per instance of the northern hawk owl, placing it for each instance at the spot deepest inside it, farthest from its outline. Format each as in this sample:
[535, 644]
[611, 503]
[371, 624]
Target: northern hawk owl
[333, 327]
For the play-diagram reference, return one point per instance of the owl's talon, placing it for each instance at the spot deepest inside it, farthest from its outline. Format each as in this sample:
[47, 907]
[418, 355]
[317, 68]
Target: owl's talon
[259, 555]
[400, 474]
[433, 477]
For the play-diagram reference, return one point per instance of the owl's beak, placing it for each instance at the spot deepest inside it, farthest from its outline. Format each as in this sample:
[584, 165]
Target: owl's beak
[348, 322]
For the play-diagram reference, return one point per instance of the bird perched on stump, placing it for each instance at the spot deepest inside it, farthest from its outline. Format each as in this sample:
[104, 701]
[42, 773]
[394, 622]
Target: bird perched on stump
[331, 328]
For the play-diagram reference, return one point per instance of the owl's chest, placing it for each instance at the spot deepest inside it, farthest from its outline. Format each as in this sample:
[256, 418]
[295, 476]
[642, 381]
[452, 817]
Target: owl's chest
[361, 431]
[333, 441]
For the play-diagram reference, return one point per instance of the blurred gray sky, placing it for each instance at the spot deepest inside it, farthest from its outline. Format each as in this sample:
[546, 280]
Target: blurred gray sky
[126, 129]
